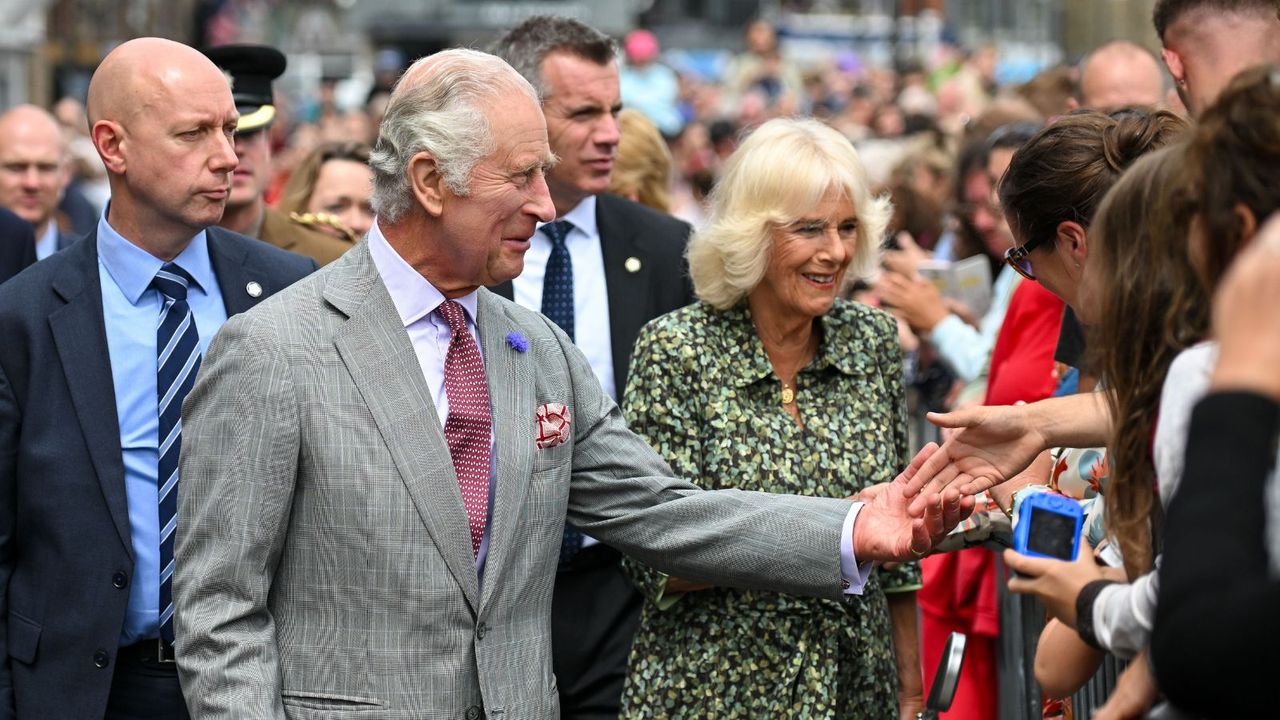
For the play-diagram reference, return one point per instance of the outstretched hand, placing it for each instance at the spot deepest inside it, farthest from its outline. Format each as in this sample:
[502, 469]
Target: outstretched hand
[991, 445]
[913, 299]
[1056, 582]
[888, 529]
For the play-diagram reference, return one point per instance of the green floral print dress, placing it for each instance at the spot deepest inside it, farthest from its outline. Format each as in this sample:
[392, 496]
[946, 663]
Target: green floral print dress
[703, 393]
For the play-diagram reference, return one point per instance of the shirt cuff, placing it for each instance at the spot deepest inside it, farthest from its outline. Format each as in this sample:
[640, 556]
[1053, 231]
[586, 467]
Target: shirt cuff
[855, 575]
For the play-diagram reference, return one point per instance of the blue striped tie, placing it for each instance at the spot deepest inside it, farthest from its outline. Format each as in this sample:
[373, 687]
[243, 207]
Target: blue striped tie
[178, 349]
[557, 305]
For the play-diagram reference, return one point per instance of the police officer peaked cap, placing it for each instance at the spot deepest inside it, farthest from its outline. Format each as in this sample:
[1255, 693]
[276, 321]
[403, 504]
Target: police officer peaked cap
[251, 69]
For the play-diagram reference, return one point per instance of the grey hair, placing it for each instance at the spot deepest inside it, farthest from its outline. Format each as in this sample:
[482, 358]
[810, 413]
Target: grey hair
[438, 107]
[526, 45]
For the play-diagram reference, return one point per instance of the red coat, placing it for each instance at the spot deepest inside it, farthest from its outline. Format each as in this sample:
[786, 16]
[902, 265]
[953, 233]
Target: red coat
[959, 590]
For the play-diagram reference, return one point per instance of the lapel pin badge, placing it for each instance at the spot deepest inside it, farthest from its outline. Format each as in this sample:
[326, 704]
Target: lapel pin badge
[254, 289]
[632, 264]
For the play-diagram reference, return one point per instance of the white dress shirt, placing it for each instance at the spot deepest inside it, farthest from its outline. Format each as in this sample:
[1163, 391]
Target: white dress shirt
[591, 331]
[416, 301]
[47, 244]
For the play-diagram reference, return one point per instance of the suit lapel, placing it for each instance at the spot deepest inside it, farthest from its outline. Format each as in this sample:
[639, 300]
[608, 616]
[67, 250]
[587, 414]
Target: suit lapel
[625, 287]
[80, 337]
[511, 403]
[377, 352]
[235, 272]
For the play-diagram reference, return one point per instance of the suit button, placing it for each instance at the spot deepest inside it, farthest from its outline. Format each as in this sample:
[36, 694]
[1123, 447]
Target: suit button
[474, 713]
[481, 629]
[101, 658]
[120, 580]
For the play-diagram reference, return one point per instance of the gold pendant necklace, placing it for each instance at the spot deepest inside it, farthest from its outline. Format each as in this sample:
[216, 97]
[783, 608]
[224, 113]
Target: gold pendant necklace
[788, 394]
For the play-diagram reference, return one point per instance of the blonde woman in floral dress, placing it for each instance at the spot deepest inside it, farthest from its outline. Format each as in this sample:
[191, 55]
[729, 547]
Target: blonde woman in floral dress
[772, 384]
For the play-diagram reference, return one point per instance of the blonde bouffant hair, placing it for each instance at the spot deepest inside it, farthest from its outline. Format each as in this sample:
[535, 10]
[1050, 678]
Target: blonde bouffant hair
[779, 173]
[642, 169]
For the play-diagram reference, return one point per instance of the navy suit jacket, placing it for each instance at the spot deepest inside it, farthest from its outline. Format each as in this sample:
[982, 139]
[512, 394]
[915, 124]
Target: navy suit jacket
[67, 239]
[66, 557]
[17, 244]
[636, 294]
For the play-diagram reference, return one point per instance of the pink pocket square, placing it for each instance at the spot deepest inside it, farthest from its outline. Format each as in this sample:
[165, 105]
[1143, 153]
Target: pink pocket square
[554, 423]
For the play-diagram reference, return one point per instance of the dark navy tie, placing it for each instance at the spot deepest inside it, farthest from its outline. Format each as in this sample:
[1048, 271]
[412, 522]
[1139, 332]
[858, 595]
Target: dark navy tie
[557, 284]
[178, 359]
[557, 305]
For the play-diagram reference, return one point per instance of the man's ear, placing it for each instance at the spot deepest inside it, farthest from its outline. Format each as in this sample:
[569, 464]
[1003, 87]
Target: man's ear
[427, 183]
[108, 138]
[1174, 62]
[1073, 238]
[1248, 223]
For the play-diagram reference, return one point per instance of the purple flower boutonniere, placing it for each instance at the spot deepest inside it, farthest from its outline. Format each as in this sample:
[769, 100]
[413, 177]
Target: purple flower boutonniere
[517, 342]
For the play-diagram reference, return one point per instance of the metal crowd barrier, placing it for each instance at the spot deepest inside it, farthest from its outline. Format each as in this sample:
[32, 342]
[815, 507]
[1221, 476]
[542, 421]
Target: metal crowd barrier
[1021, 620]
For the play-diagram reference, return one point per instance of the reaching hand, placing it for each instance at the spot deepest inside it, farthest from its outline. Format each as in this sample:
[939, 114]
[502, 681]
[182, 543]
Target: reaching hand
[888, 530]
[991, 445]
[905, 261]
[1038, 473]
[1134, 694]
[869, 493]
[1056, 582]
[914, 299]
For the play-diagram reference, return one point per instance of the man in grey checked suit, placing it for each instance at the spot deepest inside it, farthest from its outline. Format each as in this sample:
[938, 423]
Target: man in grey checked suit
[327, 558]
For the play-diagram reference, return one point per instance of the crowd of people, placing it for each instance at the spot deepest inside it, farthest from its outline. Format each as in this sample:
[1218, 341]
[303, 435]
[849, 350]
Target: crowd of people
[557, 382]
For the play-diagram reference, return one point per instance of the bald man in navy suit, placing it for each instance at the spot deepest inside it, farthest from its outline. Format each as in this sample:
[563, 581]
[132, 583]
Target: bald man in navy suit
[90, 393]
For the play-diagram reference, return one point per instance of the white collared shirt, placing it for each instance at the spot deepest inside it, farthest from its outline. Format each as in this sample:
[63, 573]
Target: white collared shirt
[591, 330]
[47, 244]
[416, 300]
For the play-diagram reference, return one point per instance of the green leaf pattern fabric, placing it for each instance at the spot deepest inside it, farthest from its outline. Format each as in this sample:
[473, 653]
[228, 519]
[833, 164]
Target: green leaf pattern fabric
[703, 393]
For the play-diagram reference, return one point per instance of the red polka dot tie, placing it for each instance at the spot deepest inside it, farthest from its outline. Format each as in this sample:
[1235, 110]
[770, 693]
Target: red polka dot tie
[466, 430]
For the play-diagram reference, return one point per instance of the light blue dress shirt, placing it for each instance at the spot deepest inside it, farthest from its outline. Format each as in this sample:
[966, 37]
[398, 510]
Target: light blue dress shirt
[131, 309]
[47, 244]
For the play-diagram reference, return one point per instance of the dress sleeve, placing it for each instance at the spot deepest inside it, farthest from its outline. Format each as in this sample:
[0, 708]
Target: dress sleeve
[661, 405]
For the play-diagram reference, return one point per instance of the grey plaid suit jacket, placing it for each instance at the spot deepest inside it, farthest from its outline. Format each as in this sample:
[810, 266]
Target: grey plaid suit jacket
[324, 567]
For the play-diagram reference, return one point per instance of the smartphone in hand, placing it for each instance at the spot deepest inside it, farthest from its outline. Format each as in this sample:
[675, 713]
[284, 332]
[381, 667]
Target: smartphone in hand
[1048, 526]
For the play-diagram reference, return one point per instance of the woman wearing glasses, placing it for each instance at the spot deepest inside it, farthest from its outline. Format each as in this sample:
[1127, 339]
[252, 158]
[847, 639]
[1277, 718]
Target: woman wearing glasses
[1050, 194]
[1055, 182]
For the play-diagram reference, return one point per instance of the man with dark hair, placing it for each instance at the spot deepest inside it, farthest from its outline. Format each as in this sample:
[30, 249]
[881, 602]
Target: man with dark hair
[1207, 42]
[603, 269]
